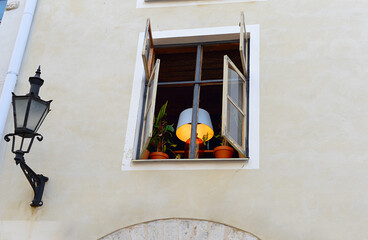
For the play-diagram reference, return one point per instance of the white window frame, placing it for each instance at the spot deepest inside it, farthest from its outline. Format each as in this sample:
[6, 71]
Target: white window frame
[192, 36]
[181, 3]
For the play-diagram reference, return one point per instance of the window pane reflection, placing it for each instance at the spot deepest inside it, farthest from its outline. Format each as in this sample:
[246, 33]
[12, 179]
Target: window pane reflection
[235, 123]
[235, 88]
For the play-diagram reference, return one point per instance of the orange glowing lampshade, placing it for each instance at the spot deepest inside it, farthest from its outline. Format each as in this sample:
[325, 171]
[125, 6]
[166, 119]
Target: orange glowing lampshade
[204, 126]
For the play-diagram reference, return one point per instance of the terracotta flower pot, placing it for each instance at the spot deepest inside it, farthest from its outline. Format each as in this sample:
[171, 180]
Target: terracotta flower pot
[146, 154]
[158, 155]
[223, 152]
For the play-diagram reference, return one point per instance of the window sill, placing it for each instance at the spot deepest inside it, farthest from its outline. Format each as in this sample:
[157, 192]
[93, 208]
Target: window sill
[188, 164]
[191, 160]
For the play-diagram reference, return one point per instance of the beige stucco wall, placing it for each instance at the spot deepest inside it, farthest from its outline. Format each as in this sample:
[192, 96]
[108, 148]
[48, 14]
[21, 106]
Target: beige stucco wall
[312, 182]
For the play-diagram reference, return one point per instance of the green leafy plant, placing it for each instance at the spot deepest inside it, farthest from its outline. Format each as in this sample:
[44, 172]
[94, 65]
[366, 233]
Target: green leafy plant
[162, 132]
[222, 139]
[205, 139]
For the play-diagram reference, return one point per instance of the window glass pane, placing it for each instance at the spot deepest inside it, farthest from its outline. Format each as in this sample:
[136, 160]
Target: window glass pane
[235, 123]
[243, 44]
[149, 97]
[148, 116]
[235, 88]
[147, 129]
[234, 109]
[148, 52]
[36, 112]
[148, 47]
[149, 108]
[20, 108]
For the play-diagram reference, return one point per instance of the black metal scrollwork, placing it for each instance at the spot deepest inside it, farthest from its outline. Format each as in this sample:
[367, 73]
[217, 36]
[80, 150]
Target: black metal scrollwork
[37, 181]
[7, 136]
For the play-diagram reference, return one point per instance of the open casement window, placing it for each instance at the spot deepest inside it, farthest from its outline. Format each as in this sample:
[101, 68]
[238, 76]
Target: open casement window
[177, 50]
[234, 107]
[182, 71]
[243, 44]
[148, 53]
[149, 110]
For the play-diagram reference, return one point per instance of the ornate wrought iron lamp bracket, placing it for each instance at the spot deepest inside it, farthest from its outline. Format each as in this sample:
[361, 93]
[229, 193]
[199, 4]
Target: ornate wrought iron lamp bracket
[37, 181]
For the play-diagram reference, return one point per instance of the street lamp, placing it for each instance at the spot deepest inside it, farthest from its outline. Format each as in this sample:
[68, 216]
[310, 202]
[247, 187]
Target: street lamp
[29, 112]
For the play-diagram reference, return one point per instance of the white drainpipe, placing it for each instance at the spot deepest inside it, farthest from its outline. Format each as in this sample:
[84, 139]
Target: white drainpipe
[15, 61]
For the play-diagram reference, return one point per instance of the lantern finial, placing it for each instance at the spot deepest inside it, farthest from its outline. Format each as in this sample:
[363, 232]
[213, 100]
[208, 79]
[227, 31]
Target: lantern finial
[38, 72]
[36, 82]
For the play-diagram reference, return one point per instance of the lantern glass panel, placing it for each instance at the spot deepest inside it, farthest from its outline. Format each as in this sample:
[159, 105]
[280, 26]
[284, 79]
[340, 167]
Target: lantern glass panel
[20, 109]
[43, 117]
[37, 112]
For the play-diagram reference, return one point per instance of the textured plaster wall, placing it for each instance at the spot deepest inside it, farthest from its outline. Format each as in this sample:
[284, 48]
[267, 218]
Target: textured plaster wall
[312, 182]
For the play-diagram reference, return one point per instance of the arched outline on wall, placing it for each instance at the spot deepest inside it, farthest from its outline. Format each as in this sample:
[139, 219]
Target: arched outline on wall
[165, 220]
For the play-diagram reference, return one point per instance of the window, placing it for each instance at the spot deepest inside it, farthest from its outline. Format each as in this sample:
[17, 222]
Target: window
[2, 8]
[171, 52]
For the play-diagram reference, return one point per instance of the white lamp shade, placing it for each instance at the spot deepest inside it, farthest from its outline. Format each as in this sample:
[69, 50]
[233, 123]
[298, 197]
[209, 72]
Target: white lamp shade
[204, 127]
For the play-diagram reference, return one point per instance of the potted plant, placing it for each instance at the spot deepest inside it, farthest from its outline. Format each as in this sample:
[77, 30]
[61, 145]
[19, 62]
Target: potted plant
[205, 140]
[145, 154]
[161, 135]
[224, 150]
